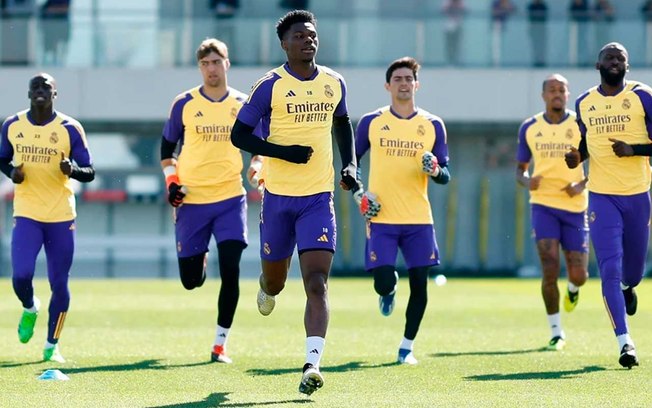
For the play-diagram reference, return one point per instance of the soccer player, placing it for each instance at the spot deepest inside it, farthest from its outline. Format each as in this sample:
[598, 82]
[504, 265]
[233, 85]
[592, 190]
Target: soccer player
[205, 184]
[558, 200]
[299, 103]
[614, 119]
[40, 151]
[407, 146]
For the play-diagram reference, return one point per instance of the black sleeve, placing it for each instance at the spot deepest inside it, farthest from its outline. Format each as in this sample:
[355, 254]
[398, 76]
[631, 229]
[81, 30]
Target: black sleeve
[584, 151]
[642, 149]
[6, 167]
[167, 148]
[444, 175]
[343, 131]
[242, 137]
[83, 174]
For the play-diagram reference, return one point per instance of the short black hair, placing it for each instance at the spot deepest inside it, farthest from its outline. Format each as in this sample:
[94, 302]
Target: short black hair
[405, 62]
[292, 17]
[613, 45]
[554, 77]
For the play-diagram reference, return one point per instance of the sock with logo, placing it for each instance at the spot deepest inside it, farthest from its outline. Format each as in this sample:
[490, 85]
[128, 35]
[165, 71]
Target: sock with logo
[221, 335]
[314, 349]
[555, 325]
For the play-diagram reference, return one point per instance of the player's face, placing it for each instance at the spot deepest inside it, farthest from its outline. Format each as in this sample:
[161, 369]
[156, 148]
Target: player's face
[301, 42]
[613, 65]
[555, 94]
[42, 90]
[402, 84]
[213, 69]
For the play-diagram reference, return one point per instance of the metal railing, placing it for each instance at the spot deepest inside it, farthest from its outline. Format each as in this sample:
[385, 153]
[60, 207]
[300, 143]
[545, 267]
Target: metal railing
[145, 40]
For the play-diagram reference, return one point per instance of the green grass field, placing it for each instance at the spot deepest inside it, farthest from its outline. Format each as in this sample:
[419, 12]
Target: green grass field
[147, 344]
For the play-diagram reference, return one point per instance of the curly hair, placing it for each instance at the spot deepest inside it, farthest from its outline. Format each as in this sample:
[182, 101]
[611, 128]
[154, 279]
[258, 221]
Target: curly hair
[292, 17]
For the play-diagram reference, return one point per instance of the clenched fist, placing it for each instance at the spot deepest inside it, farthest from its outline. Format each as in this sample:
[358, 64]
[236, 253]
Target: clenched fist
[17, 174]
[65, 165]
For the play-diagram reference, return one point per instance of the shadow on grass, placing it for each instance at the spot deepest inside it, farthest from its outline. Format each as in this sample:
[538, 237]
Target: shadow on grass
[141, 365]
[352, 366]
[541, 375]
[7, 364]
[490, 353]
[219, 399]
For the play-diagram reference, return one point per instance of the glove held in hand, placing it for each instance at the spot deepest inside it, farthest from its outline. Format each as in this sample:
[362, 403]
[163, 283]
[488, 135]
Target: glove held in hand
[176, 192]
[367, 203]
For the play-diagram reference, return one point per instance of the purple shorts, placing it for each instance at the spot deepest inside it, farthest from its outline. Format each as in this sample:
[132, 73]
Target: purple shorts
[417, 242]
[29, 236]
[620, 231]
[195, 223]
[569, 228]
[285, 221]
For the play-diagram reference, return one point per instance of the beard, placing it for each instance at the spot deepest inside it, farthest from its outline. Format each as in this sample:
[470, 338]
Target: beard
[610, 78]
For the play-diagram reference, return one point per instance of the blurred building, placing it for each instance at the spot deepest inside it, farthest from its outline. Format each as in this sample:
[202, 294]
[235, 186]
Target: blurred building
[126, 60]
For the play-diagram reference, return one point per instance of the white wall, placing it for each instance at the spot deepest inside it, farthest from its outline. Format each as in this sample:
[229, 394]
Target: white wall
[463, 95]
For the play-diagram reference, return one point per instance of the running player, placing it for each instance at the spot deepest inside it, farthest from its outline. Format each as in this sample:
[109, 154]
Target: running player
[40, 151]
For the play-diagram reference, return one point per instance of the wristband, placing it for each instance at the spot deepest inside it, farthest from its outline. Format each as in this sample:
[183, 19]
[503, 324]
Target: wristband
[170, 173]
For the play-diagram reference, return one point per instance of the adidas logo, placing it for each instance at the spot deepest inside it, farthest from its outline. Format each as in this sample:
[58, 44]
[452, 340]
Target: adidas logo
[592, 108]
[222, 335]
[20, 136]
[539, 134]
[291, 93]
[314, 351]
[323, 238]
[199, 114]
[384, 127]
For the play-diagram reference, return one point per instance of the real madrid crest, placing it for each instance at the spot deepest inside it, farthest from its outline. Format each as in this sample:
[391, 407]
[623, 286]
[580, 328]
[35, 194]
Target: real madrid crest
[626, 103]
[421, 131]
[234, 112]
[328, 91]
[54, 138]
[592, 217]
[569, 134]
